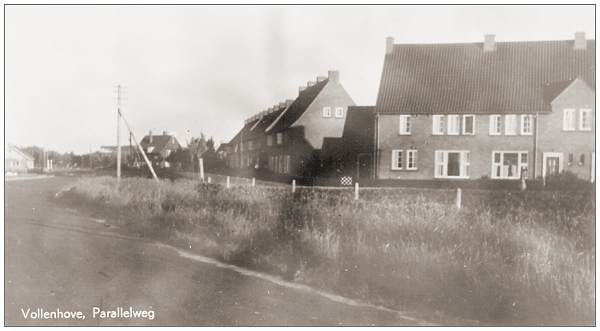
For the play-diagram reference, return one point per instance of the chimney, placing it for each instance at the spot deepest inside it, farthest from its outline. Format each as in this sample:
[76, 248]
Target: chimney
[334, 76]
[489, 44]
[580, 42]
[389, 45]
[301, 88]
[150, 137]
[165, 133]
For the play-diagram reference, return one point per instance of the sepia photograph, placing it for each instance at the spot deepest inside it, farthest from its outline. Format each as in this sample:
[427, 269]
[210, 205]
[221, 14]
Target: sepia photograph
[299, 165]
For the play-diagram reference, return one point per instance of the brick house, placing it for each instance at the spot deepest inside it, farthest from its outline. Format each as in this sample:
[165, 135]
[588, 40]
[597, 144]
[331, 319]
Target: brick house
[287, 139]
[159, 147]
[499, 110]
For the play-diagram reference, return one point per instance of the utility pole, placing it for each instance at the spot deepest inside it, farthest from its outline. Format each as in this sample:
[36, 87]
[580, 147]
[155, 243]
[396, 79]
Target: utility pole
[118, 133]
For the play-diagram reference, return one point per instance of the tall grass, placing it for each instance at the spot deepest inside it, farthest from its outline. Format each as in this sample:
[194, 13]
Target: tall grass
[505, 258]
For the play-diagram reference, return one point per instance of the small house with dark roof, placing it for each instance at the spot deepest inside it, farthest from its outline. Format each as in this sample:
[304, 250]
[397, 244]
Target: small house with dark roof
[159, 147]
[501, 110]
[288, 138]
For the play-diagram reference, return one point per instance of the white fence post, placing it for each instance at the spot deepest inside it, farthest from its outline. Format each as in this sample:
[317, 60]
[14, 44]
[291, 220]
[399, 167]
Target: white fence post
[209, 180]
[458, 198]
[293, 186]
[356, 191]
[201, 168]
[253, 181]
[228, 182]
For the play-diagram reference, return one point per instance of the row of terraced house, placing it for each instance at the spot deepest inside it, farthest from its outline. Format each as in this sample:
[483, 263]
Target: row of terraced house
[498, 110]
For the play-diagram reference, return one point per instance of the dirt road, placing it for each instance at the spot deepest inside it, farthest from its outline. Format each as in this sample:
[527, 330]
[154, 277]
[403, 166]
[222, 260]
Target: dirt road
[57, 258]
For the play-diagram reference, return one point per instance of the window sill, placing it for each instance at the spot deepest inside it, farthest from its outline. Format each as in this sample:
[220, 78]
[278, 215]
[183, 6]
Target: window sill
[452, 177]
[506, 178]
[404, 134]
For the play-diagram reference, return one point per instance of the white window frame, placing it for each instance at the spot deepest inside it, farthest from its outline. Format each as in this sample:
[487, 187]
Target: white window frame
[279, 137]
[495, 125]
[453, 125]
[589, 123]
[441, 160]
[568, 125]
[438, 126]
[528, 132]
[327, 112]
[510, 125]
[395, 153]
[520, 164]
[404, 125]
[546, 155]
[412, 159]
[464, 125]
[339, 112]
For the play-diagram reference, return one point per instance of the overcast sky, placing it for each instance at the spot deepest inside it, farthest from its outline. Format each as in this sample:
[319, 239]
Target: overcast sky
[205, 69]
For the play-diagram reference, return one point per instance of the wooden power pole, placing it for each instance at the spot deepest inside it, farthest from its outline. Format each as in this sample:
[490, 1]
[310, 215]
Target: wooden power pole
[118, 133]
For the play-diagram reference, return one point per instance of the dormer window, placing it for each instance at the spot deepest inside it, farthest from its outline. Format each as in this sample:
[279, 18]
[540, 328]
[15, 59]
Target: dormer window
[339, 112]
[326, 111]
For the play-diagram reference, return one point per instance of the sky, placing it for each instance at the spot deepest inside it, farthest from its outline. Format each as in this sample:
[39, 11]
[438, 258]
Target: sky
[193, 69]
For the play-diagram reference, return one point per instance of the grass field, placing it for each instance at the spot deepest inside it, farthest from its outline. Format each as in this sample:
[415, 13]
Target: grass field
[504, 258]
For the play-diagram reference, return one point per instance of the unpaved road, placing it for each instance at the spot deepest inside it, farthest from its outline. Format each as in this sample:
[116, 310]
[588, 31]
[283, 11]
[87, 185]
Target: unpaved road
[57, 258]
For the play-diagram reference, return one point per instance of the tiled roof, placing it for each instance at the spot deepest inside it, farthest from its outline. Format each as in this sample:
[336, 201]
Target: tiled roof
[20, 151]
[159, 142]
[298, 107]
[263, 123]
[461, 78]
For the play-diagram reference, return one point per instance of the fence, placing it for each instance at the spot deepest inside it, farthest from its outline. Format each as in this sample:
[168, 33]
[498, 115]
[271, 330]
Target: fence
[230, 182]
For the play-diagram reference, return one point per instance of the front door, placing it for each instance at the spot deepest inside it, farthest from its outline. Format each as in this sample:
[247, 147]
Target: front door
[364, 166]
[552, 164]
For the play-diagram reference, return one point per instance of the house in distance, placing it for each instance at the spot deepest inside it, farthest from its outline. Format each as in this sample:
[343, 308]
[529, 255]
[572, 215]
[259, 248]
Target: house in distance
[287, 138]
[159, 147]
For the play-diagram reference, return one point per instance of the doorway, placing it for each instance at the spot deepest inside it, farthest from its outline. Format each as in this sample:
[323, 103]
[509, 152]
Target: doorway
[552, 165]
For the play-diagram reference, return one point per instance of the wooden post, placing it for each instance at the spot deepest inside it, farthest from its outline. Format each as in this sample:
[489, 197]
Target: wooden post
[209, 180]
[458, 198]
[201, 167]
[227, 181]
[293, 186]
[119, 143]
[253, 182]
[356, 191]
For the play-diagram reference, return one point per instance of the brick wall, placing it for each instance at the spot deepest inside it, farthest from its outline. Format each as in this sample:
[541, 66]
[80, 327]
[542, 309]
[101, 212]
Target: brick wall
[552, 137]
[481, 145]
